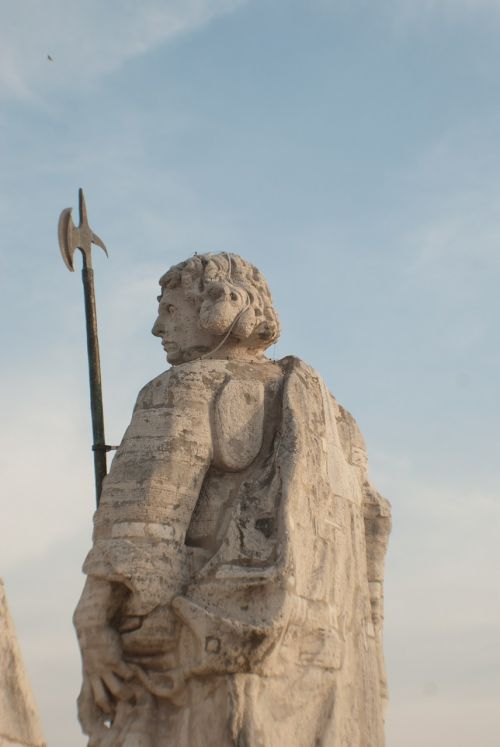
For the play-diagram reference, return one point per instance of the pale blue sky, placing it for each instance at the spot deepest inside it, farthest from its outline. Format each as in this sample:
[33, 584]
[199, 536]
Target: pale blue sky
[349, 149]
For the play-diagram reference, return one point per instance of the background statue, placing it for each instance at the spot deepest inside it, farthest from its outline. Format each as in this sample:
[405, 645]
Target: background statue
[19, 721]
[234, 588]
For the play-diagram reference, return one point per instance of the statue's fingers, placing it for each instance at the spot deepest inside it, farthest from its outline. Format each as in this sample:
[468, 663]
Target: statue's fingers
[116, 686]
[100, 695]
[87, 709]
[123, 670]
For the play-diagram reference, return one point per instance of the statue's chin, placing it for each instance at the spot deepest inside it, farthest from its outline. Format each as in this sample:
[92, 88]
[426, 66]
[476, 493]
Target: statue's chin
[175, 357]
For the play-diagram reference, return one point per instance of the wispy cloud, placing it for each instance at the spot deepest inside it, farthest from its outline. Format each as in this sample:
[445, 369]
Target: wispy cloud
[87, 40]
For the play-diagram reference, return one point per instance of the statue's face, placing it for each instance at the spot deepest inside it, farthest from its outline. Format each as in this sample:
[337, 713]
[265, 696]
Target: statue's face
[178, 326]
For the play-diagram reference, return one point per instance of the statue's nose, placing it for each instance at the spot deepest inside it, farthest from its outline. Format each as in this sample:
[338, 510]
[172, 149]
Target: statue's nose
[157, 329]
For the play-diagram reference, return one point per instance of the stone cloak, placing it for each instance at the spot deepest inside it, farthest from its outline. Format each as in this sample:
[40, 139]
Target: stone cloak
[269, 634]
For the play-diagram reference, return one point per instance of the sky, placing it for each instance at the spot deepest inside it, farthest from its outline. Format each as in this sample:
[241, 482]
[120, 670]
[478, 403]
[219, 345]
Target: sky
[351, 150]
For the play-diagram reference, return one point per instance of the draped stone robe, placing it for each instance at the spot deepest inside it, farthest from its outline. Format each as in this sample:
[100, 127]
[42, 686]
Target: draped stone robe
[239, 517]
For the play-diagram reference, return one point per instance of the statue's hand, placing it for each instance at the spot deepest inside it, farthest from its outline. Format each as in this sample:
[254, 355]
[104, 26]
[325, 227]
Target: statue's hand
[104, 669]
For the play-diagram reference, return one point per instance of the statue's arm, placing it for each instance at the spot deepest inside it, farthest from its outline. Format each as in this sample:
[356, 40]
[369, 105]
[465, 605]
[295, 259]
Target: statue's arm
[173, 420]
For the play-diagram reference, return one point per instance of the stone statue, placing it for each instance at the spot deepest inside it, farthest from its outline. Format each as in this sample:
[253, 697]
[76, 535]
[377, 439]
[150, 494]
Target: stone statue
[234, 589]
[19, 721]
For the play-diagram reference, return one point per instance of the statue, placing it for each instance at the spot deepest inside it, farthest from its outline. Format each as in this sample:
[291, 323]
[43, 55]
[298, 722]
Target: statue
[234, 592]
[19, 721]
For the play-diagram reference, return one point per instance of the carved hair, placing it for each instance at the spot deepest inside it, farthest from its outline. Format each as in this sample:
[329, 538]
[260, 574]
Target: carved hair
[231, 295]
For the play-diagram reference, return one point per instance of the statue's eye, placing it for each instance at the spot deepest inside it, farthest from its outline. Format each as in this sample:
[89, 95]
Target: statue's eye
[233, 297]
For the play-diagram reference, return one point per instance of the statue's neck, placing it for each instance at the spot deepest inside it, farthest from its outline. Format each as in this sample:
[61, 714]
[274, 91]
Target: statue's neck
[225, 352]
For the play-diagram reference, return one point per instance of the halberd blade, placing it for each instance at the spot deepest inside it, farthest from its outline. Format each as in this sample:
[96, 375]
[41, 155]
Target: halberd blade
[64, 231]
[99, 242]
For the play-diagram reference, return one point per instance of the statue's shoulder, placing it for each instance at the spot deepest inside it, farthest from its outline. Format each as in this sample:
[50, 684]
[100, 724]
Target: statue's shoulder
[186, 383]
[313, 385]
[199, 372]
[296, 368]
[159, 382]
[308, 375]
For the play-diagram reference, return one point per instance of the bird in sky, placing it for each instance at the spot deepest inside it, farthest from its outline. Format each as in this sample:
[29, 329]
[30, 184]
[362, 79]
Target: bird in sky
[50, 59]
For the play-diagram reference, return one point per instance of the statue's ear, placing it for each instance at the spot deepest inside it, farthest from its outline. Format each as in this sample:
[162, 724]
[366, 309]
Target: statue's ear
[217, 316]
[245, 324]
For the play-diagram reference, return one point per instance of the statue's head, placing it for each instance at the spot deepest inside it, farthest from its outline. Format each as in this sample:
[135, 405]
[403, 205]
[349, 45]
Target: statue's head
[215, 305]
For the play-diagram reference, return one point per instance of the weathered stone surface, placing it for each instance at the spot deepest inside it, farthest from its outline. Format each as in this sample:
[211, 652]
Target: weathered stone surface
[19, 723]
[234, 592]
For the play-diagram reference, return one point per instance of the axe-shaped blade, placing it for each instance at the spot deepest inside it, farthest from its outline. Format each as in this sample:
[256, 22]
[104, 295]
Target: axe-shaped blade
[72, 237]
